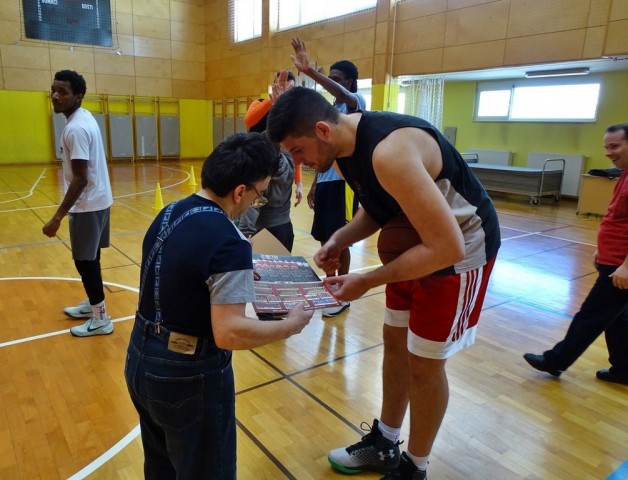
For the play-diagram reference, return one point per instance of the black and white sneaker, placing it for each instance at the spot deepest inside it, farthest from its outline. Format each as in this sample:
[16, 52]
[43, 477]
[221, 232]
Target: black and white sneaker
[373, 452]
[406, 470]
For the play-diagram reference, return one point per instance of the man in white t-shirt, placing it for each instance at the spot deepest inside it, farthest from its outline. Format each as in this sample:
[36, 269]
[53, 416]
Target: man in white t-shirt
[87, 200]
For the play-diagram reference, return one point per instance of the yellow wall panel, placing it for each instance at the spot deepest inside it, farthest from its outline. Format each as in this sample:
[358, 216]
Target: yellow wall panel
[22, 56]
[188, 70]
[151, 27]
[617, 39]
[196, 128]
[115, 84]
[153, 67]
[27, 132]
[473, 56]
[424, 33]
[110, 62]
[551, 47]
[479, 24]
[528, 18]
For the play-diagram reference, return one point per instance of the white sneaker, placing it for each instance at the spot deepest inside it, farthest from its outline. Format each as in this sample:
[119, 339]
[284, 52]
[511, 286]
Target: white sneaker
[82, 310]
[93, 327]
[335, 311]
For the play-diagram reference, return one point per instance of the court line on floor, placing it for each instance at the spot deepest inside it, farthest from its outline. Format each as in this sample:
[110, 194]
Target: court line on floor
[108, 455]
[61, 332]
[30, 193]
[129, 437]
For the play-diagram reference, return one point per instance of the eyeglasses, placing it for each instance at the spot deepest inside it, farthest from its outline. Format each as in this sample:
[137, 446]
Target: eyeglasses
[258, 201]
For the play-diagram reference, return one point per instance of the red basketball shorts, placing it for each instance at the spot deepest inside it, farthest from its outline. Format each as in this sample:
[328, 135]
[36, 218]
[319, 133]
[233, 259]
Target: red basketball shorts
[441, 311]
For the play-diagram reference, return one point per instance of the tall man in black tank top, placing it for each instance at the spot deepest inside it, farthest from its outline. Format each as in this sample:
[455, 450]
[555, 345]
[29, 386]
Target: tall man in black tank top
[401, 165]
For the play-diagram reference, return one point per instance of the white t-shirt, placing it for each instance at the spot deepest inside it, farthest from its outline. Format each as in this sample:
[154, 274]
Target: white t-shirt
[81, 140]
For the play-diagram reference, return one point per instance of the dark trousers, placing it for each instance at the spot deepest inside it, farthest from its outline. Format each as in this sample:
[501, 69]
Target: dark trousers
[604, 310]
[186, 405]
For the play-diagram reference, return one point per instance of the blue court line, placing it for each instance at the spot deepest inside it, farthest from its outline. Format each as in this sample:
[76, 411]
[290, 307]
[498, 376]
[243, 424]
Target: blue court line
[621, 473]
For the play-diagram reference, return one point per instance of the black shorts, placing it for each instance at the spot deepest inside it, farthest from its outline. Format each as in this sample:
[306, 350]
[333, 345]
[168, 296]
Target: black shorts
[329, 209]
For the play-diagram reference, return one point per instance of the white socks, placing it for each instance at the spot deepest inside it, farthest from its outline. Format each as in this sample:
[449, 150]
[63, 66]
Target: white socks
[389, 433]
[420, 462]
[393, 434]
[100, 312]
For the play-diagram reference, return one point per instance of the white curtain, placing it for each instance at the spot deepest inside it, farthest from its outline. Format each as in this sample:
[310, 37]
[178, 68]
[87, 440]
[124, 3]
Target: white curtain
[424, 98]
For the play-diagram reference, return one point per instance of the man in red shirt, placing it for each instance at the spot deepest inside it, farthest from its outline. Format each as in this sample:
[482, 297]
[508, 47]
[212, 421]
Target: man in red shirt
[606, 307]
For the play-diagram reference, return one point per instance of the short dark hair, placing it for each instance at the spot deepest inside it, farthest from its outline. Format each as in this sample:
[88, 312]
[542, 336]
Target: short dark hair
[291, 76]
[349, 70]
[296, 112]
[241, 158]
[77, 82]
[619, 127]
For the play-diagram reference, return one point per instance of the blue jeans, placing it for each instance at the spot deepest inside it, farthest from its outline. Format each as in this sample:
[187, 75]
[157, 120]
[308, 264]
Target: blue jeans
[604, 310]
[186, 405]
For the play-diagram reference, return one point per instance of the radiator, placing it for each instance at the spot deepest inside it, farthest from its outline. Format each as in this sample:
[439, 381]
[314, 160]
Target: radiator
[494, 157]
[574, 166]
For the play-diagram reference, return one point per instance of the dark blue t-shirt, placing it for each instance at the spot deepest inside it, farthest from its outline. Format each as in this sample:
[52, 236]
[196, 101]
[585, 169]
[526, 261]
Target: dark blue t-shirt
[205, 260]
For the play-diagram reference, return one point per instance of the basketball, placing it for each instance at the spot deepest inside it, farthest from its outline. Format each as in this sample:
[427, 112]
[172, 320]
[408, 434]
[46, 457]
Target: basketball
[397, 236]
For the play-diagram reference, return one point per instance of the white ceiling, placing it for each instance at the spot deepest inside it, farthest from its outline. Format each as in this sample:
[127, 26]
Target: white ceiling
[596, 66]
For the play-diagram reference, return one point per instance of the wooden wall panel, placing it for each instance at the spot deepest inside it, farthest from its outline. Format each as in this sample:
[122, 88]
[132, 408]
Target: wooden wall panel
[189, 41]
[477, 25]
[617, 40]
[551, 47]
[424, 33]
[122, 64]
[474, 56]
[528, 18]
[619, 10]
[182, 70]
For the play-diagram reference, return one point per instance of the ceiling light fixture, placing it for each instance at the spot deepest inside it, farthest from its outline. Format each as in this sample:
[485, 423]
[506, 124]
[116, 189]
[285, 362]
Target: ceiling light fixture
[563, 72]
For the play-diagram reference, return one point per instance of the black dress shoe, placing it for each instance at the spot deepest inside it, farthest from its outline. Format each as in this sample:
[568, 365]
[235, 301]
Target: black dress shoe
[540, 363]
[609, 376]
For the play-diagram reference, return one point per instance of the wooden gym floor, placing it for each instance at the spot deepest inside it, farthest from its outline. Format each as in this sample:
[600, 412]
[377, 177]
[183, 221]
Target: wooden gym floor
[65, 411]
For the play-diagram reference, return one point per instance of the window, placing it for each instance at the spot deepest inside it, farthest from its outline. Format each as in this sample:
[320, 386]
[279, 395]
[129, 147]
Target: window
[294, 13]
[246, 19]
[555, 100]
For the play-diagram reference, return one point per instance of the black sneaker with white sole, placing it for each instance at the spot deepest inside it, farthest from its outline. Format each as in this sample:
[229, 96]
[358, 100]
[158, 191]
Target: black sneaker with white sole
[374, 452]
